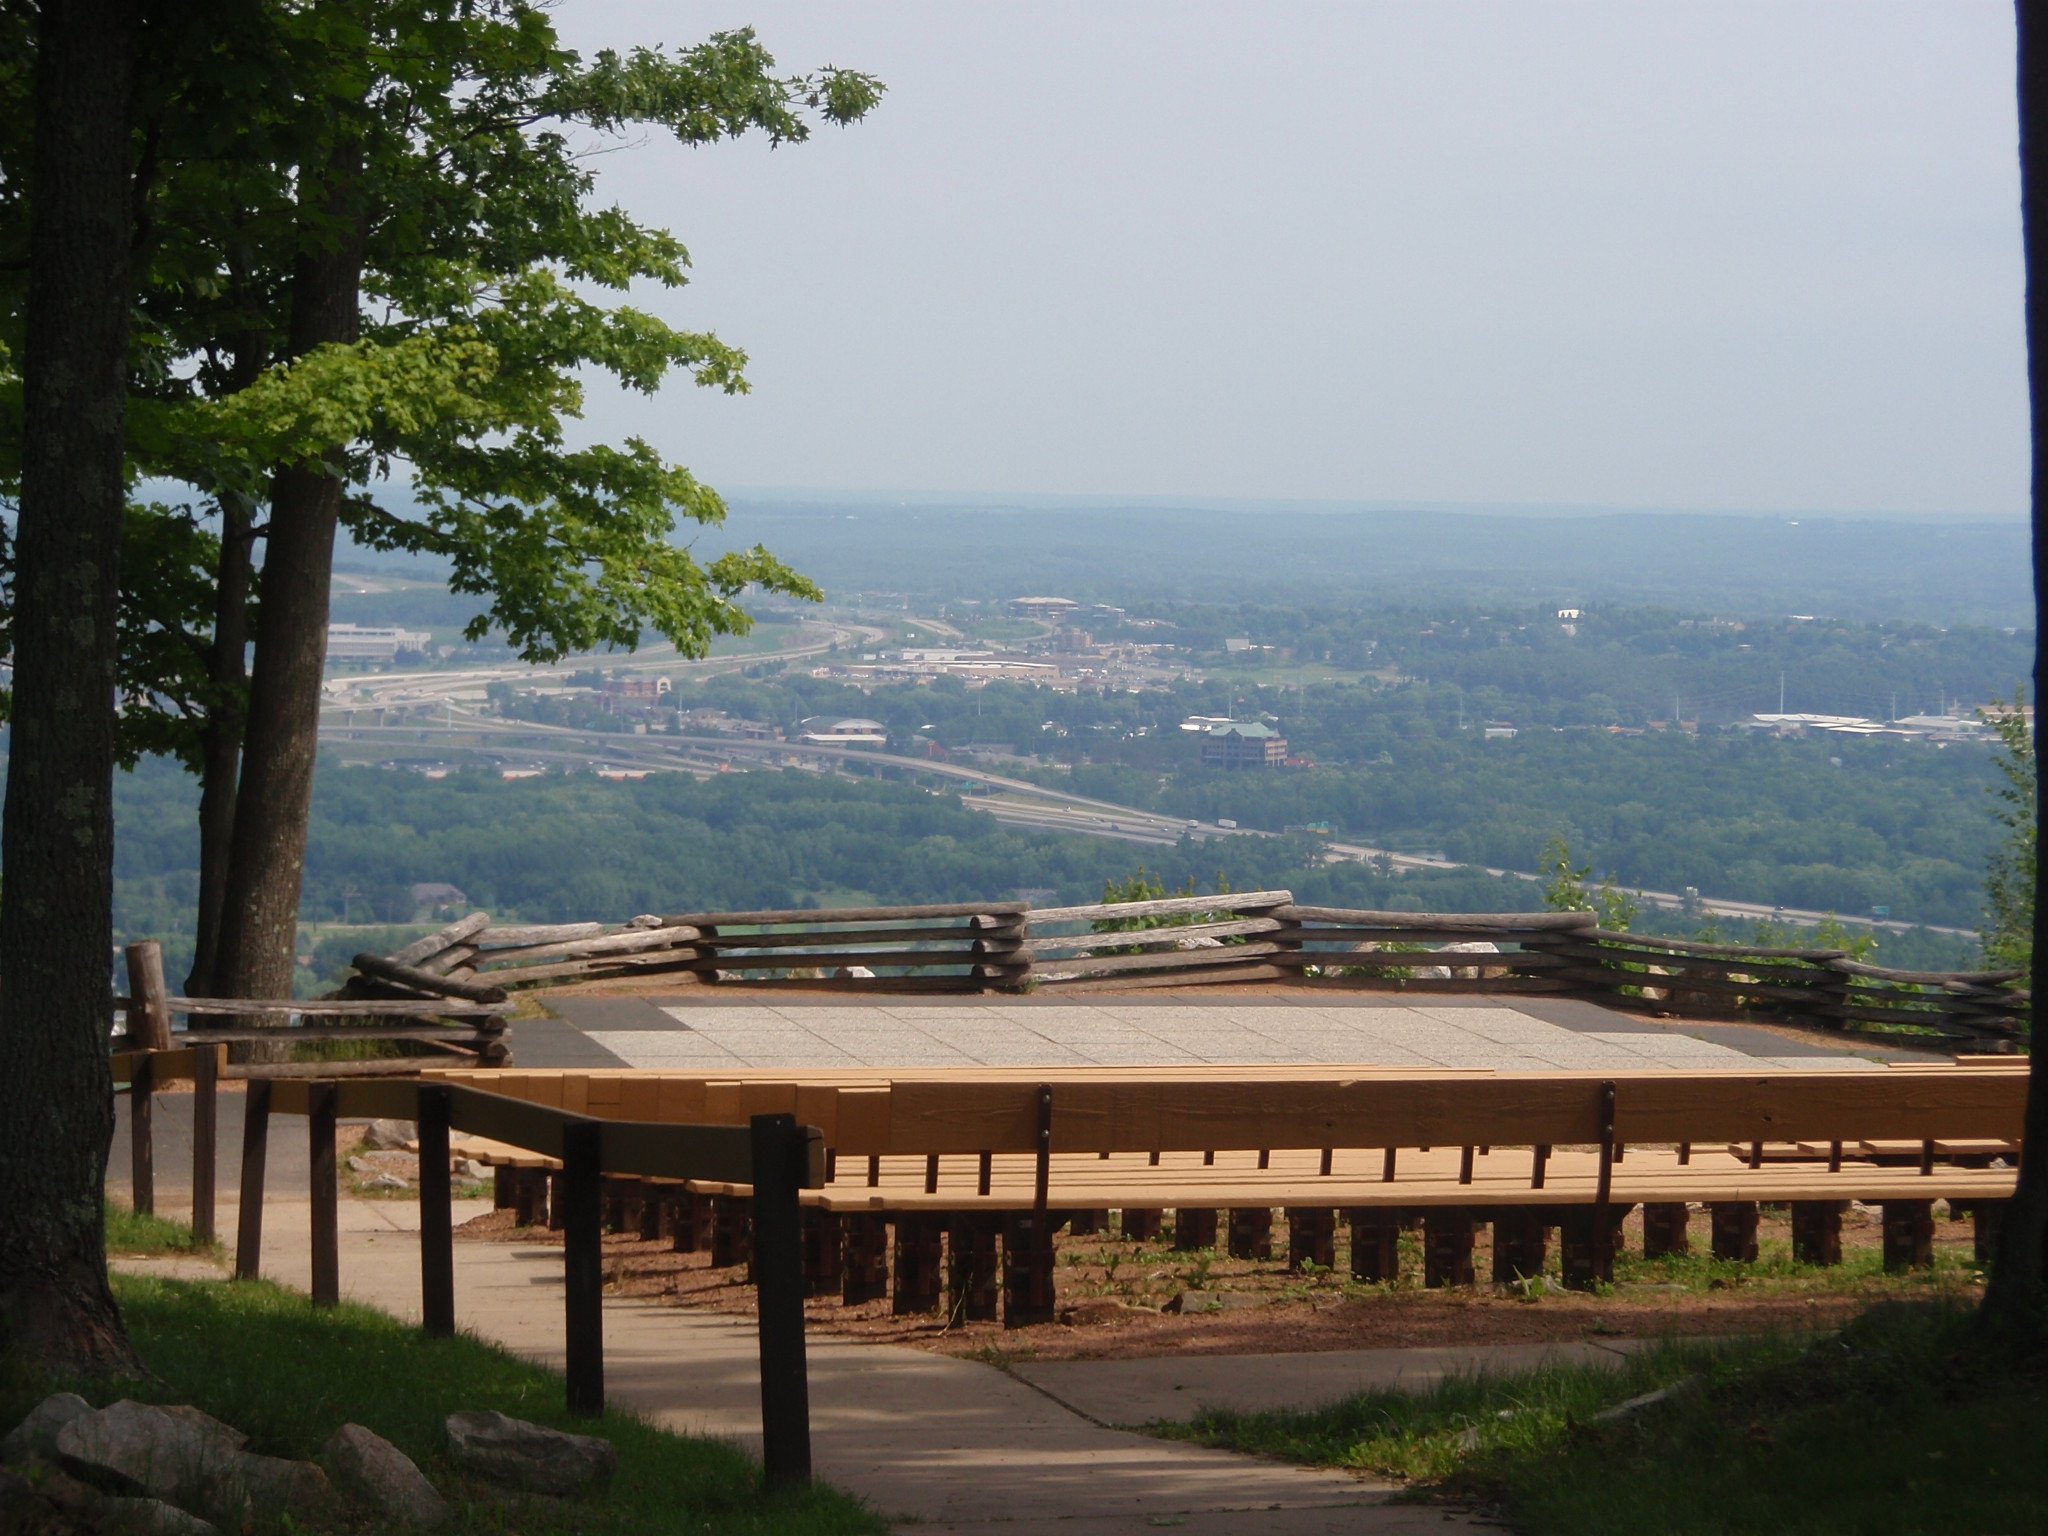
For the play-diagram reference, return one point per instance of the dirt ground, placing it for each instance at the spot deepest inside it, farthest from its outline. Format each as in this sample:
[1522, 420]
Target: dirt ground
[1121, 1299]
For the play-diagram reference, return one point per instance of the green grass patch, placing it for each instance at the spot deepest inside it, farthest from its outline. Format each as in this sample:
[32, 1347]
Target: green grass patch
[132, 1233]
[1914, 1419]
[265, 1360]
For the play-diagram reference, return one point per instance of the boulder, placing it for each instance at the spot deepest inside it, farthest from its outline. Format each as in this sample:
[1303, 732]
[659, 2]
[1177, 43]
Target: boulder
[390, 1135]
[36, 1435]
[517, 1454]
[385, 1181]
[135, 1450]
[183, 1457]
[378, 1475]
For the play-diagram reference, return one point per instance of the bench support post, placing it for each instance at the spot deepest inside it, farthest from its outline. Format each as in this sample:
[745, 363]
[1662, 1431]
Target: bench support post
[1520, 1242]
[865, 1275]
[918, 1272]
[437, 1219]
[1311, 1236]
[1251, 1232]
[1664, 1229]
[1447, 1246]
[780, 1155]
[1195, 1228]
[1908, 1234]
[1142, 1226]
[824, 1253]
[1817, 1231]
[582, 1191]
[255, 1143]
[1027, 1268]
[730, 1218]
[326, 1195]
[205, 1139]
[1375, 1244]
[975, 1278]
[1583, 1257]
[1986, 1217]
[1734, 1230]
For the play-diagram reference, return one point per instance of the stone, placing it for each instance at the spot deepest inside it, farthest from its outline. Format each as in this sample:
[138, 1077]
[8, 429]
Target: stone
[135, 1450]
[1212, 1301]
[271, 1486]
[470, 1168]
[205, 1422]
[1095, 1309]
[390, 1135]
[513, 1452]
[36, 1435]
[378, 1475]
[386, 1181]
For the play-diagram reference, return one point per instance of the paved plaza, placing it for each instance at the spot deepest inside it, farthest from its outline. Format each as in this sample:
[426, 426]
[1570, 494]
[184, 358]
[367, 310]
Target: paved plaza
[1362, 1029]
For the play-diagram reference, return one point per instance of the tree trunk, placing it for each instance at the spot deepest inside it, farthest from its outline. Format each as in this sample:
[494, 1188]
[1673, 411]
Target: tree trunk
[221, 739]
[56, 925]
[2018, 1283]
[260, 905]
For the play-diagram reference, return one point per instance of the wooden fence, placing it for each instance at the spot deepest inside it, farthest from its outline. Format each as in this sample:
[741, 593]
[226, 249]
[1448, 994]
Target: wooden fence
[1252, 936]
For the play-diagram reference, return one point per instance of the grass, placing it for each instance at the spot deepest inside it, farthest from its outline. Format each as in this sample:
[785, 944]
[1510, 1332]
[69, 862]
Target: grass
[266, 1360]
[1914, 1419]
[131, 1232]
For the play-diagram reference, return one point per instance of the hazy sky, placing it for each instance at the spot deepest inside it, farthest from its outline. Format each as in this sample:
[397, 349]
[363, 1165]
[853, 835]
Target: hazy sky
[1757, 256]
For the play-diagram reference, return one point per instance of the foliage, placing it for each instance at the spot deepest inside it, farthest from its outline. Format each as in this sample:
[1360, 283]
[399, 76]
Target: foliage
[2008, 932]
[1144, 887]
[1564, 890]
[1913, 1418]
[288, 1374]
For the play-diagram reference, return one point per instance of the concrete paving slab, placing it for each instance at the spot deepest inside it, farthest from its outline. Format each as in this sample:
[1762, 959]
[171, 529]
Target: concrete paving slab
[1177, 1387]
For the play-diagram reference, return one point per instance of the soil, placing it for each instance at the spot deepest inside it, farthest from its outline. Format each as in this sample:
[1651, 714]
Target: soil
[1120, 1299]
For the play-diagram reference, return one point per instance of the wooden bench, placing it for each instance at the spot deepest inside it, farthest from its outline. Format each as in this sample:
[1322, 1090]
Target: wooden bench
[952, 1160]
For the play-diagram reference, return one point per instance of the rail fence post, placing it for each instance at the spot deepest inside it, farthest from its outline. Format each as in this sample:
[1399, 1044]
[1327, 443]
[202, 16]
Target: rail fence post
[437, 1221]
[780, 1156]
[141, 1137]
[255, 1144]
[582, 1185]
[205, 1129]
[320, 1113]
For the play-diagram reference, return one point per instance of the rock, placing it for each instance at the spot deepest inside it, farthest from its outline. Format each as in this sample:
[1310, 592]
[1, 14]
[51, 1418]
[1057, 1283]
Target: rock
[390, 1135]
[1212, 1301]
[1095, 1309]
[271, 1486]
[377, 1474]
[36, 1435]
[470, 1168]
[149, 1517]
[205, 1422]
[135, 1450]
[385, 1181]
[511, 1451]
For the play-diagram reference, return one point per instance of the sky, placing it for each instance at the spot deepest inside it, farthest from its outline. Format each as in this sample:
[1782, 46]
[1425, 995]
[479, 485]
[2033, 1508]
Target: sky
[1756, 257]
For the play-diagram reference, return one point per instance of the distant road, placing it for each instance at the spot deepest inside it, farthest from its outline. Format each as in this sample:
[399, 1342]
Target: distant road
[1016, 802]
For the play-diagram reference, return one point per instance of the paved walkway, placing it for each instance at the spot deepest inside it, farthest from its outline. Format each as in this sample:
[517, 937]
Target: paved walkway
[933, 1443]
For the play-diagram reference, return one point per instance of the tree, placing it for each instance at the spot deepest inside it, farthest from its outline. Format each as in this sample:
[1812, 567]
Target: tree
[2019, 1274]
[56, 1097]
[2010, 873]
[1564, 889]
[386, 271]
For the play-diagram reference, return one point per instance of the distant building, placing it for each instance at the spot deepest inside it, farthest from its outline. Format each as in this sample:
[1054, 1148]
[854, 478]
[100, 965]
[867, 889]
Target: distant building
[1242, 744]
[835, 731]
[1204, 722]
[1234, 646]
[638, 687]
[1055, 608]
[1499, 730]
[1072, 640]
[1569, 613]
[354, 642]
[432, 899]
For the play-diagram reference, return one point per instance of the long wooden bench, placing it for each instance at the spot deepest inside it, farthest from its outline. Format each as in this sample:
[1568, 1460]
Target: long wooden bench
[952, 1161]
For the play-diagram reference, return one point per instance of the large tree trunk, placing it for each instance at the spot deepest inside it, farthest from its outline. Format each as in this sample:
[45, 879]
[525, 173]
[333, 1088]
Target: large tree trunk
[260, 906]
[221, 739]
[2019, 1275]
[56, 923]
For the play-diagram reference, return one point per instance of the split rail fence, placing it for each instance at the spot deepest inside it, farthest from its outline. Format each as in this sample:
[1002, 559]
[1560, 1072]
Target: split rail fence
[1253, 936]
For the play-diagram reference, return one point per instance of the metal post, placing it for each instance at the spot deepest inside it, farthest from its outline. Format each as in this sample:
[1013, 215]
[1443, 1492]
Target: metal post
[205, 1128]
[325, 1194]
[780, 1154]
[437, 1221]
[583, 1262]
[255, 1142]
[141, 1140]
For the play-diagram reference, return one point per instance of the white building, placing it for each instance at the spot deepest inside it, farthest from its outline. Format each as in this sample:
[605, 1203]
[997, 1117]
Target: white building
[354, 642]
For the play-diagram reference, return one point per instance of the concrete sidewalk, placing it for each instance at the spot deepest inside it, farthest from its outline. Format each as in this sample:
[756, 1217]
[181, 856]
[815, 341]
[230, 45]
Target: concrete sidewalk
[939, 1443]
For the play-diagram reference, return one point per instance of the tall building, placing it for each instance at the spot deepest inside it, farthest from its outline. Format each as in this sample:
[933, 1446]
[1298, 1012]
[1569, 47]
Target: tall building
[1243, 744]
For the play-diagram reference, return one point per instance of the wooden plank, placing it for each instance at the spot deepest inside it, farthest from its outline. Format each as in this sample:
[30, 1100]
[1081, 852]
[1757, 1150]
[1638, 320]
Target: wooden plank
[1192, 959]
[677, 1151]
[149, 1013]
[426, 981]
[367, 1007]
[821, 915]
[517, 936]
[1171, 906]
[1479, 924]
[957, 934]
[455, 933]
[1151, 936]
[632, 942]
[1215, 975]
